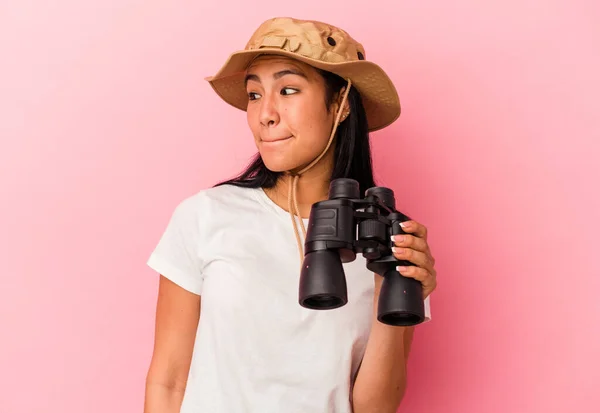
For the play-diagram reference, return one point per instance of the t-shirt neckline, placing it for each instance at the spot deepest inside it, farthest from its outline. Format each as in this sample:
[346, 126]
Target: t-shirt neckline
[268, 203]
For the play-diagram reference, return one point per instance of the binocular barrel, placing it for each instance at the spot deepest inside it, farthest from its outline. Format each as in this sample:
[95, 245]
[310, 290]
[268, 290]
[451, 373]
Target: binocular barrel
[343, 226]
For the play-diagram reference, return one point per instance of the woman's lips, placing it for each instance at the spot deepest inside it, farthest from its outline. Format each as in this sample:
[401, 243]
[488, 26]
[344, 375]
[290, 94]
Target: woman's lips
[277, 140]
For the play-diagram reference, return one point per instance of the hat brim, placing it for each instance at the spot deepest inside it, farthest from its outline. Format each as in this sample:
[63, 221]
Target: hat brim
[377, 91]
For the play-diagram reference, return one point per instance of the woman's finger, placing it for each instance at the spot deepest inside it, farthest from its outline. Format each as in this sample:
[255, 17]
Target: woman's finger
[410, 241]
[418, 258]
[427, 279]
[415, 228]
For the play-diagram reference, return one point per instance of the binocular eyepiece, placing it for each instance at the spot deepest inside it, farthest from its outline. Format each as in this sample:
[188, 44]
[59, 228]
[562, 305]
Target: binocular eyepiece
[343, 226]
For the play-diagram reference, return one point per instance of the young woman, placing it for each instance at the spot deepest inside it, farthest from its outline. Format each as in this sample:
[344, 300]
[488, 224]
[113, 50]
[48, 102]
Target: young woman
[231, 336]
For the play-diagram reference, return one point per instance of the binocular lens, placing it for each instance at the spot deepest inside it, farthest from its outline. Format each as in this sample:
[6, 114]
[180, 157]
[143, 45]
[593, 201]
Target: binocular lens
[323, 302]
[400, 319]
[322, 281]
[400, 300]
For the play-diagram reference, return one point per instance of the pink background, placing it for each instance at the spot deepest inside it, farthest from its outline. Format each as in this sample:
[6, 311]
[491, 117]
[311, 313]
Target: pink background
[106, 124]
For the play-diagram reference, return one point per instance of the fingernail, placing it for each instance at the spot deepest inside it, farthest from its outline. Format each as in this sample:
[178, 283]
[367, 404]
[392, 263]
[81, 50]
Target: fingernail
[398, 238]
[401, 269]
[405, 224]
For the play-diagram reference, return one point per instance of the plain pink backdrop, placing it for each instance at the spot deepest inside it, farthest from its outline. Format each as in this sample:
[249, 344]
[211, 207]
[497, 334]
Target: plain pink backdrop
[106, 124]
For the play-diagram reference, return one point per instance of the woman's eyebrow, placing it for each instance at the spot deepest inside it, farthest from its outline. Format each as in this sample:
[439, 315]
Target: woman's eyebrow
[276, 75]
[289, 72]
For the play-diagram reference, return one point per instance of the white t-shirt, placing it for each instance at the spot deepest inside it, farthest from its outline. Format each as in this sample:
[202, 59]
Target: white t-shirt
[257, 350]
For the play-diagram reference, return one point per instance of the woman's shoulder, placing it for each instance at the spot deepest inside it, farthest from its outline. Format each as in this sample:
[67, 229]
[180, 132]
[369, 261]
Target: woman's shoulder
[218, 199]
[221, 193]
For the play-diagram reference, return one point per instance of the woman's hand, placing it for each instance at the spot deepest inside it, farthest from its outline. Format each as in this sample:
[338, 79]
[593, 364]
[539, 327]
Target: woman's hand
[413, 247]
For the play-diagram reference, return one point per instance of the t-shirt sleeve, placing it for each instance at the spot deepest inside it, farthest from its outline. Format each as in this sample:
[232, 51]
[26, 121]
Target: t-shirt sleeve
[427, 308]
[176, 256]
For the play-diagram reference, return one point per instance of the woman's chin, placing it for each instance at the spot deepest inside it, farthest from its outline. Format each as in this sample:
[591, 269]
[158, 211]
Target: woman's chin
[277, 164]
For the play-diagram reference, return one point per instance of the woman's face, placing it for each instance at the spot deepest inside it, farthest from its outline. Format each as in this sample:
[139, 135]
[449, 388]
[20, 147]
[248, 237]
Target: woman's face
[286, 112]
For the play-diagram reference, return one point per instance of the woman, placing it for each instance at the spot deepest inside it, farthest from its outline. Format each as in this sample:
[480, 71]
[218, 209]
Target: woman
[230, 334]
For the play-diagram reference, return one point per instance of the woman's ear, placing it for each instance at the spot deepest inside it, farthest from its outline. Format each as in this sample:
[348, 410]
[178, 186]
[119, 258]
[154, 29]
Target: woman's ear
[339, 99]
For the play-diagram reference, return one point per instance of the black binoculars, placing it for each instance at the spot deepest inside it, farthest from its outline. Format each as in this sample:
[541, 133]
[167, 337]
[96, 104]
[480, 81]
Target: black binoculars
[343, 226]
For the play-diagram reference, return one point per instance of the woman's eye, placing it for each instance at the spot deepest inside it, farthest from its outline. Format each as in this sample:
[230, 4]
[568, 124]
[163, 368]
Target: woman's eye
[253, 96]
[288, 91]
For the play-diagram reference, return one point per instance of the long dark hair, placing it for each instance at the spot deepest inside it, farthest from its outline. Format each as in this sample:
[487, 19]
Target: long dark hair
[352, 157]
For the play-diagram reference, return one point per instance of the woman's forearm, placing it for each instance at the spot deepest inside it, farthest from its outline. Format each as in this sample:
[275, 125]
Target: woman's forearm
[381, 380]
[160, 398]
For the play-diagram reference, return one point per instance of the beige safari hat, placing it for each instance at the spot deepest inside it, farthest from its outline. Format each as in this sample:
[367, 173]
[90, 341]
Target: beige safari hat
[320, 45]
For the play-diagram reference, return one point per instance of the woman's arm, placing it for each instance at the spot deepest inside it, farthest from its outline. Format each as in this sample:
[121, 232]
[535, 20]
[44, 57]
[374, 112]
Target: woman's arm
[177, 316]
[381, 379]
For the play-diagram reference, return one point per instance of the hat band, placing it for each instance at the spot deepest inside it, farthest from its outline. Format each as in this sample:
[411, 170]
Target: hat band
[294, 45]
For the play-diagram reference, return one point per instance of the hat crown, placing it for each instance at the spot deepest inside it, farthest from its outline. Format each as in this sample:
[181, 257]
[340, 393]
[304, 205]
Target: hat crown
[309, 38]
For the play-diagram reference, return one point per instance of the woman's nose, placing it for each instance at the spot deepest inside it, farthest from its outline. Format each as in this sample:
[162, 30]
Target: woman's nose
[269, 116]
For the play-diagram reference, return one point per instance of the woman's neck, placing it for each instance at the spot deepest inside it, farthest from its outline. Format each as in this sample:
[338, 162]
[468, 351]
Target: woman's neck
[312, 186]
